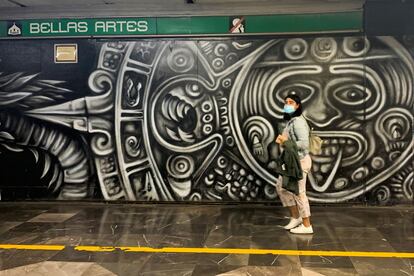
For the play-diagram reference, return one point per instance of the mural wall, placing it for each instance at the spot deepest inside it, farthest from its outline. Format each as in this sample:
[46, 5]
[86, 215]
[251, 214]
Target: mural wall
[196, 120]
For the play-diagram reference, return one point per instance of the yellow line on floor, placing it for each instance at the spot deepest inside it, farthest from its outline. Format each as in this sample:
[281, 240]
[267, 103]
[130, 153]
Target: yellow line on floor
[33, 247]
[93, 248]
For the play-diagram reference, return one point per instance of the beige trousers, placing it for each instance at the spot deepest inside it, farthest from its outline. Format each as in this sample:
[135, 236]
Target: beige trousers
[301, 200]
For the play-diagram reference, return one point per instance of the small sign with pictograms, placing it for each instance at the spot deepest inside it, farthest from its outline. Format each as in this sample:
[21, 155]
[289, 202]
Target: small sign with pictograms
[237, 24]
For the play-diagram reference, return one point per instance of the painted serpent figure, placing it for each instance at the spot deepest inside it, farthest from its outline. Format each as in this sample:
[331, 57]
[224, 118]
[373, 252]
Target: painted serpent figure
[63, 153]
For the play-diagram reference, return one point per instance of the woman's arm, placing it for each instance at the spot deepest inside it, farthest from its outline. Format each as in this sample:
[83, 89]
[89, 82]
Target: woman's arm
[301, 129]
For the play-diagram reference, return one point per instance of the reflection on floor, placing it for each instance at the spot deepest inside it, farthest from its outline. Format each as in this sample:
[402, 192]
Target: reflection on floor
[379, 229]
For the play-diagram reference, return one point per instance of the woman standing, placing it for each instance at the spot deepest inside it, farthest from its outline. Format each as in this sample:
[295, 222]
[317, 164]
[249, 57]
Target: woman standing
[297, 130]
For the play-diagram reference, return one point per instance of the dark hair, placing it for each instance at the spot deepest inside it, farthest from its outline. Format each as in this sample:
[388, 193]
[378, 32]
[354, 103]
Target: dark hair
[298, 111]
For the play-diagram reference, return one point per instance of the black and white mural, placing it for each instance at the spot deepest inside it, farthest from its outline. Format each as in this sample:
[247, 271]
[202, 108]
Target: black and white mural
[196, 120]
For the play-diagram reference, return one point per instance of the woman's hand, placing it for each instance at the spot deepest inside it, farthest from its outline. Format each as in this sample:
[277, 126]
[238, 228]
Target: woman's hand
[281, 139]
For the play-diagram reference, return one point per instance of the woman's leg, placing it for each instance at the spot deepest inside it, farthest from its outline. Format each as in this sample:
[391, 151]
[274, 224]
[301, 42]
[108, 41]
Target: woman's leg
[288, 201]
[294, 212]
[302, 203]
[306, 222]
[301, 199]
[287, 198]
[304, 212]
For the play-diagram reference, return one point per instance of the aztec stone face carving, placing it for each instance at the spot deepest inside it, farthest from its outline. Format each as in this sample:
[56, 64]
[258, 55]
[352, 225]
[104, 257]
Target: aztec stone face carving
[196, 120]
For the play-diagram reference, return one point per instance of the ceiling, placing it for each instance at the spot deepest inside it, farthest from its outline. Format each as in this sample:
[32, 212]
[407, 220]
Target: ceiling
[25, 9]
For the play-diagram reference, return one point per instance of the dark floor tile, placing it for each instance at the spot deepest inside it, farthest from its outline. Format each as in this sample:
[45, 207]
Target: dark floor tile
[326, 262]
[52, 217]
[367, 245]
[187, 229]
[217, 240]
[36, 227]
[69, 254]
[407, 247]
[324, 231]
[358, 233]
[197, 258]
[231, 229]
[222, 259]
[157, 241]
[315, 242]
[269, 220]
[275, 260]
[329, 271]
[398, 233]
[141, 240]
[278, 242]
[7, 225]
[267, 231]
[234, 217]
[246, 270]
[212, 270]
[10, 237]
[384, 272]
[15, 258]
[408, 264]
[377, 264]
[77, 239]
[124, 269]
[67, 228]
[167, 270]
[19, 215]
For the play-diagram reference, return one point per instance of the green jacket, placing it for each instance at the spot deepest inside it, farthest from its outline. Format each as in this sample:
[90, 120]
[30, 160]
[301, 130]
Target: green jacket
[288, 165]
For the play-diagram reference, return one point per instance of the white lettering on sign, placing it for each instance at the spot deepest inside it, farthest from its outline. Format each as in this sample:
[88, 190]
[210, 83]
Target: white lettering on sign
[111, 26]
[99, 27]
[34, 28]
[142, 26]
[121, 26]
[45, 28]
[82, 27]
[58, 27]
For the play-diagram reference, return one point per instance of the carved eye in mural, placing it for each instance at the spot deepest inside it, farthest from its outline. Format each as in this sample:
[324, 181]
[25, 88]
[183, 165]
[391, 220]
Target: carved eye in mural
[364, 98]
[352, 96]
[305, 90]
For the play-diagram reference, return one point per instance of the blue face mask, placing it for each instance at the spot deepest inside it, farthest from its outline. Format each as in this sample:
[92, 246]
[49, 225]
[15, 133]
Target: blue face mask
[289, 109]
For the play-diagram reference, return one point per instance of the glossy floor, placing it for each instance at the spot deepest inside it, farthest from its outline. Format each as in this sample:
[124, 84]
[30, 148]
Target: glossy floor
[343, 229]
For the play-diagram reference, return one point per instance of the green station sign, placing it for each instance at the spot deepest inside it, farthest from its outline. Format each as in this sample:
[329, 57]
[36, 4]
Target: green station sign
[81, 27]
[191, 25]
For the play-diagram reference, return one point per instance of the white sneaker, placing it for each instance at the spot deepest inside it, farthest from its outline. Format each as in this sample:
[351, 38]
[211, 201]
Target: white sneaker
[302, 229]
[293, 223]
